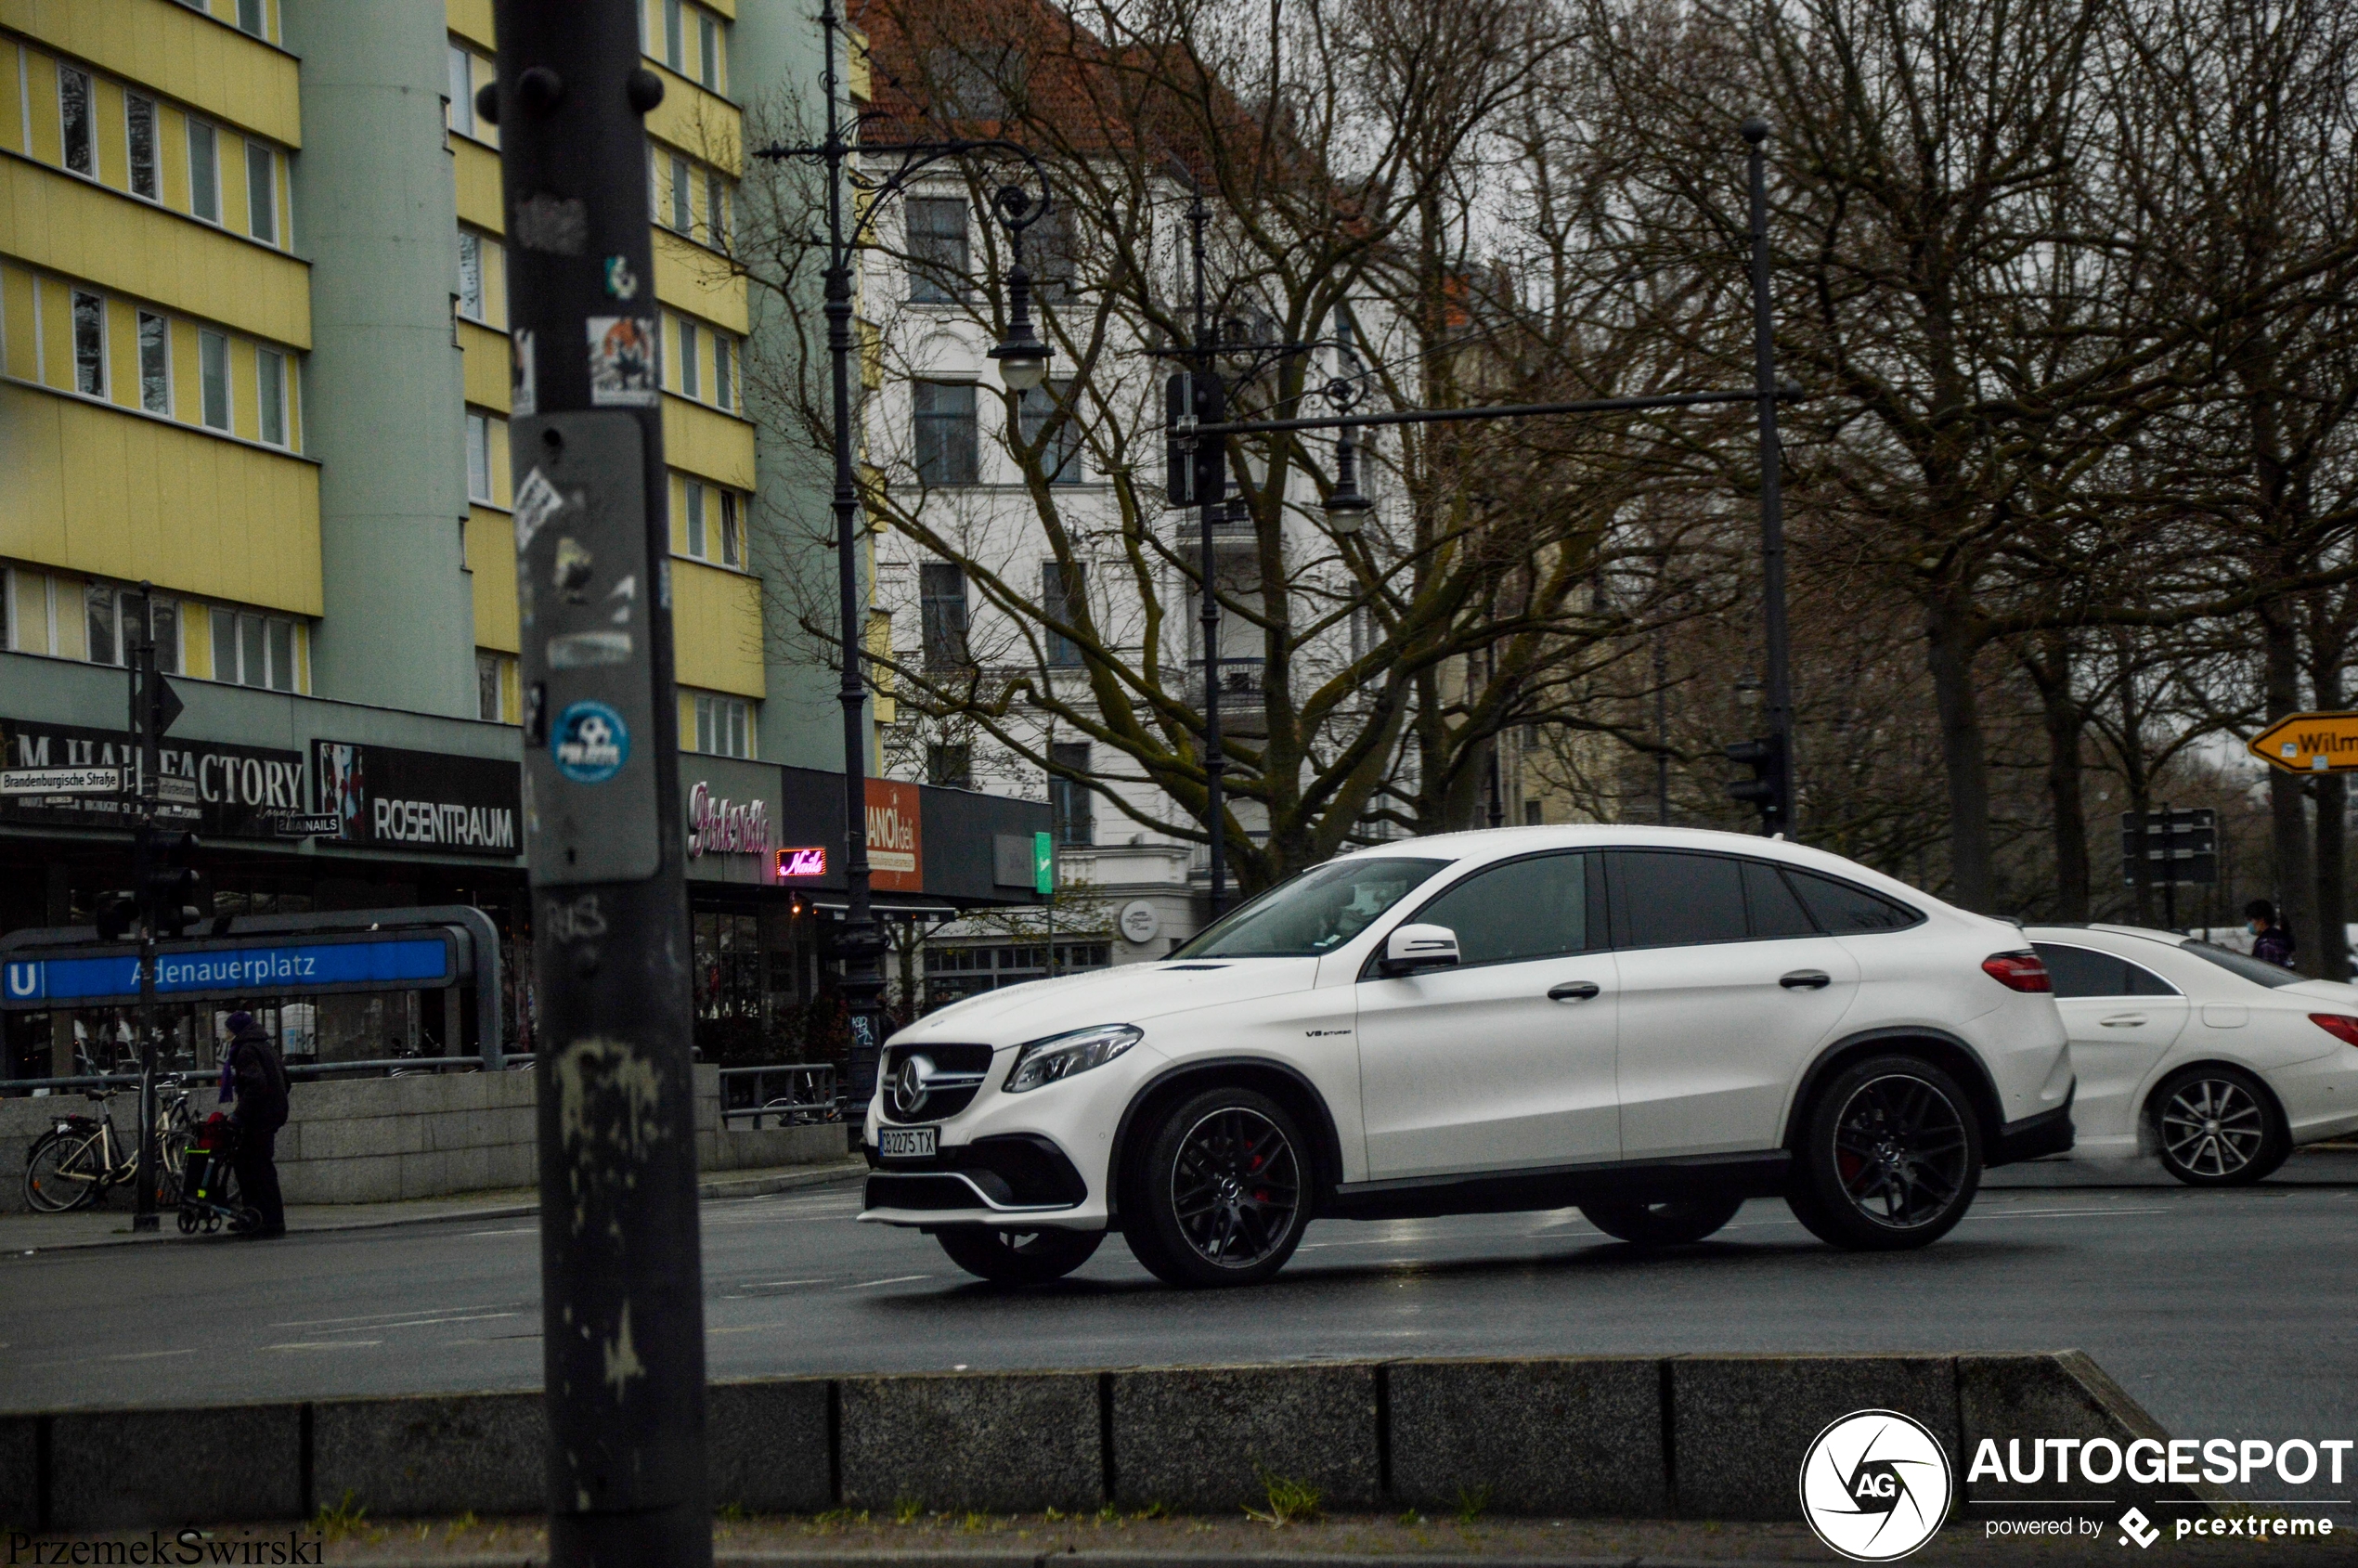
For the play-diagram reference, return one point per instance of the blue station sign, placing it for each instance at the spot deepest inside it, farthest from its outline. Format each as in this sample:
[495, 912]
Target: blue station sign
[409, 961]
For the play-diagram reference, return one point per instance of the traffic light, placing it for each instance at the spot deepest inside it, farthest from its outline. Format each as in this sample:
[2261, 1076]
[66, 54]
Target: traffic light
[1200, 478]
[169, 885]
[1766, 787]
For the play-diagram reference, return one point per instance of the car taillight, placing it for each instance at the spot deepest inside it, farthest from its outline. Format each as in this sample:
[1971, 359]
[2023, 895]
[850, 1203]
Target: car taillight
[2341, 1026]
[2017, 971]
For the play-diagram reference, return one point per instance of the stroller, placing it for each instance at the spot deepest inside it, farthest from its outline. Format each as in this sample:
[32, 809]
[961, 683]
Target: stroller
[208, 1183]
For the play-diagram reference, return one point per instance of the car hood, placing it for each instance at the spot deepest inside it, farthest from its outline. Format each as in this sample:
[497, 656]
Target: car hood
[1131, 995]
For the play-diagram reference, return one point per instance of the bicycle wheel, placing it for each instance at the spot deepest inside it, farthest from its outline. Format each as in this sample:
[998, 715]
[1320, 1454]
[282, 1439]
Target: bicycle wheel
[173, 1135]
[63, 1171]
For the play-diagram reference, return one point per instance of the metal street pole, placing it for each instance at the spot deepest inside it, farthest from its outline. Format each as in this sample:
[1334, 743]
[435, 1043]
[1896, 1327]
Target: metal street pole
[1778, 812]
[860, 944]
[1209, 397]
[143, 724]
[622, 1316]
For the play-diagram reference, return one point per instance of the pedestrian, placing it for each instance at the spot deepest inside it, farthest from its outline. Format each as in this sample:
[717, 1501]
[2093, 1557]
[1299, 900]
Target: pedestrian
[2271, 939]
[251, 1072]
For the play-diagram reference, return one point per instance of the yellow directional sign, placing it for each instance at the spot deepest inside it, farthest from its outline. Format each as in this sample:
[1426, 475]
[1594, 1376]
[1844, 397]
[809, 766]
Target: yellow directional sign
[2310, 743]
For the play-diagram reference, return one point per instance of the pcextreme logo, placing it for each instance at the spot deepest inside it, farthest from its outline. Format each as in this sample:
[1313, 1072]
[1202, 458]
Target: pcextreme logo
[1875, 1485]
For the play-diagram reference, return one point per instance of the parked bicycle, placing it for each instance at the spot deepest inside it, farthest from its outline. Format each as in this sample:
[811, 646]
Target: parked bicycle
[78, 1161]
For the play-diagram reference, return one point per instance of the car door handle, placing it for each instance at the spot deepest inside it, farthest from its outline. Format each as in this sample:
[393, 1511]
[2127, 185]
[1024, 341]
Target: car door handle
[2123, 1020]
[1572, 990]
[1806, 979]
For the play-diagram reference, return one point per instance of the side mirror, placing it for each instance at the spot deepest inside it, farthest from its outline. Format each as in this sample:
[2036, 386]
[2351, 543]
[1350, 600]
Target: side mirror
[1413, 948]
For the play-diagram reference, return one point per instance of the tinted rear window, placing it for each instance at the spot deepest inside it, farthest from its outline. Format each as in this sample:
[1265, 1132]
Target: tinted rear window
[2257, 970]
[1775, 911]
[1847, 911]
[1665, 898]
[2080, 971]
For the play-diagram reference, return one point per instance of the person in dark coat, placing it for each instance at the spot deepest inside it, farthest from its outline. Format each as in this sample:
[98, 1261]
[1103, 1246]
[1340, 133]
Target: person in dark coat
[253, 1074]
[2271, 939]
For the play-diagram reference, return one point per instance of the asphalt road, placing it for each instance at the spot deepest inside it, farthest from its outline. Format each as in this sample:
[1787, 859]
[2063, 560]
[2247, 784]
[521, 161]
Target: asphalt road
[2228, 1313]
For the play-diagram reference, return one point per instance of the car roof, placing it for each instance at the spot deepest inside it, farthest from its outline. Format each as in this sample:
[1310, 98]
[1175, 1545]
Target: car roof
[1498, 843]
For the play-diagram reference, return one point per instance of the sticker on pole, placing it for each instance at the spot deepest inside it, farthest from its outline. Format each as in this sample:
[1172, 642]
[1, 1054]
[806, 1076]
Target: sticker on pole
[590, 741]
[623, 361]
[1875, 1485]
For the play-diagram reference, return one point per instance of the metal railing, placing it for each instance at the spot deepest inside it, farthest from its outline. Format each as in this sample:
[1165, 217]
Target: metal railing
[807, 1094]
[300, 1072]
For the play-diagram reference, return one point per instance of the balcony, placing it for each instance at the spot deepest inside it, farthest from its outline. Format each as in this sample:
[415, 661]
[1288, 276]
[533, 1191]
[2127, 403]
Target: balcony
[1241, 701]
[1231, 528]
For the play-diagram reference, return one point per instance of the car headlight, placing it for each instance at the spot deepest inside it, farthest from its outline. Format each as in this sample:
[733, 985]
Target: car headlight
[1061, 1055]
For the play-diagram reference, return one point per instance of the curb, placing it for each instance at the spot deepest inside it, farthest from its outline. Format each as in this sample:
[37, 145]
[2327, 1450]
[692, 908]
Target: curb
[718, 1188]
[1122, 1560]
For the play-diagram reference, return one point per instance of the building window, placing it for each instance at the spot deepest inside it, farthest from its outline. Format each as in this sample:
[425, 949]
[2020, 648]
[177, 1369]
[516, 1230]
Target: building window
[250, 17]
[724, 727]
[470, 275]
[682, 208]
[212, 371]
[1533, 814]
[689, 369]
[164, 624]
[708, 51]
[1063, 598]
[950, 767]
[723, 391]
[102, 644]
[479, 458]
[462, 91]
[941, 590]
[73, 119]
[488, 706]
[89, 344]
[251, 650]
[672, 50]
[947, 450]
[262, 194]
[139, 126]
[1069, 809]
[716, 211]
[155, 364]
[695, 520]
[270, 380]
[1060, 460]
[733, 542]
[937, 259]
[204, 172]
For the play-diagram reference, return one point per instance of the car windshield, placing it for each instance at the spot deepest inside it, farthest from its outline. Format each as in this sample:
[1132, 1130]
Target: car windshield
[1316, 911]
[2258, 970]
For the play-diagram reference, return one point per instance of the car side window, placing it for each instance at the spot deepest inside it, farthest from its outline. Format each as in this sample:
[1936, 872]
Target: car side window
[1846, 911]
[1511, 913]
[2080, 971]
[1672, 898]
[1775, 911]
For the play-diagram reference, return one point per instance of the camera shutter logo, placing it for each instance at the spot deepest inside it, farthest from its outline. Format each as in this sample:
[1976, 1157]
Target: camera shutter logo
[1875, 1485]
[590, 741]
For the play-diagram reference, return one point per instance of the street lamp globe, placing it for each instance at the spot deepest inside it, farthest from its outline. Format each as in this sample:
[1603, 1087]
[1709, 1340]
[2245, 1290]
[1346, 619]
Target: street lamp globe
[1023, 358]
[1347, 509]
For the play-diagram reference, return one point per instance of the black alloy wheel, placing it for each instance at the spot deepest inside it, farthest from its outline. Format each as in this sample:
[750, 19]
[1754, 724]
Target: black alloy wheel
[1669, 1222]
[2219, 1128]
[1890, 1157]
[1221, 1194]
[1017, 1257]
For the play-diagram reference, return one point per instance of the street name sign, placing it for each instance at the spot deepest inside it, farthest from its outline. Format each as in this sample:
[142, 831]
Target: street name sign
[60, 781]
[2310, 743]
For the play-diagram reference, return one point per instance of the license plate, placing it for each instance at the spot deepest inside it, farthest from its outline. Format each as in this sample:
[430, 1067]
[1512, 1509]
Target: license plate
[906, 1143]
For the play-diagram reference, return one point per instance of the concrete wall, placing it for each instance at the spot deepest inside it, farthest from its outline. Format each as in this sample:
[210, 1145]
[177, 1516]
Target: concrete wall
[1696, 1438]
[375, 1140]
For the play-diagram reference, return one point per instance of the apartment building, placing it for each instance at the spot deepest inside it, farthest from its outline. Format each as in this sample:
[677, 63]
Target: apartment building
[253, 353]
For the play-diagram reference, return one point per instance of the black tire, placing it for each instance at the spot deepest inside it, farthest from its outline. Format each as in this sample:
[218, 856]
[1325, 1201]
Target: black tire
[1221, 1190]
[1017, 1257]
[1890, 1157]
[1671, 1222]
[62, 1171]
[2219, 1126]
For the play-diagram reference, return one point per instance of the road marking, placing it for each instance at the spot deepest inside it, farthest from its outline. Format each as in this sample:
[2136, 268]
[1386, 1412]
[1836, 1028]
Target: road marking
[2059, 1213]
[143, 1356]
[374, 1317]
[519, 1230]
[773, 1283]
[896, 1279]
[326, 1344]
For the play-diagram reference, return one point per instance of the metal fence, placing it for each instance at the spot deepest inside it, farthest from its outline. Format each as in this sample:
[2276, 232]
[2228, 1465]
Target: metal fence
[794, 1094]
[300, 1072]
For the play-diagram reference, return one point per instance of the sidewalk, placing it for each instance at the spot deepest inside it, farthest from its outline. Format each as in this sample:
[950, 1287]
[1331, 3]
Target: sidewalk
[2333, 1164]
[109, 1224]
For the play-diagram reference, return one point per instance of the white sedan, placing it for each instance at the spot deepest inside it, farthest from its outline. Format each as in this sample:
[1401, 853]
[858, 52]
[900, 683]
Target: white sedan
[2214, 1060]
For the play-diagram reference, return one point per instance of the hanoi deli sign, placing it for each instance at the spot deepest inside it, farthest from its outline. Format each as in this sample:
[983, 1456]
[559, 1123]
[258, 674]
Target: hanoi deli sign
[895, 848]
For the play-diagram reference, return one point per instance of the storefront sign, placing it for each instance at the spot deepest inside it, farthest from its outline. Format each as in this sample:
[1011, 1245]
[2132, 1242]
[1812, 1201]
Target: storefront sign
[409, 961]
[896, 850]
[214, 786]
[392, 798]
[718, 825]
[807, 861]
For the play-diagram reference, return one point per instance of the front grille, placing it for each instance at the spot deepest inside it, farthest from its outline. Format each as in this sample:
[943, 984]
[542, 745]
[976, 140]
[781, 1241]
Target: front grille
[940, 1104]
[896, 1190]
[1019, 1171]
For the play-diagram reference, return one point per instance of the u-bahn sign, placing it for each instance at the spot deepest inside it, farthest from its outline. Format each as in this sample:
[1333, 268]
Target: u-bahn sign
[2310, 743]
